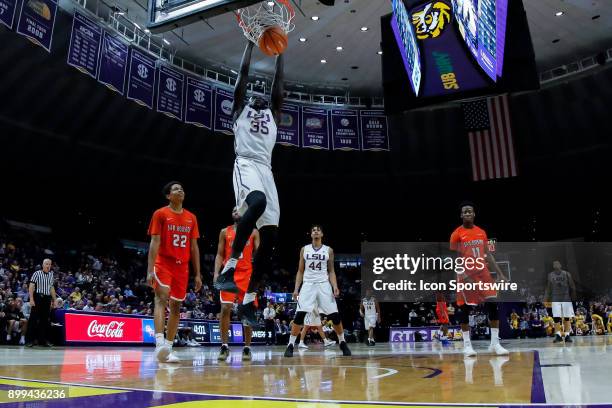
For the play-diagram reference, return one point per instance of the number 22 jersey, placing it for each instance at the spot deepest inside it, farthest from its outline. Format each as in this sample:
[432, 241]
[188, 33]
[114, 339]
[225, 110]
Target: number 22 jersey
[176, 232]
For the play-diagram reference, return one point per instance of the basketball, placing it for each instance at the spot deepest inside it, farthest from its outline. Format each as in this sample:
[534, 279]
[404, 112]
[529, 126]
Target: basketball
[273, 41]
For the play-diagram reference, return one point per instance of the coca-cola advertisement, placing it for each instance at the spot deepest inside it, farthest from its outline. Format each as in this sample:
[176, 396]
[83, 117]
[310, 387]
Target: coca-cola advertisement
[103, 329]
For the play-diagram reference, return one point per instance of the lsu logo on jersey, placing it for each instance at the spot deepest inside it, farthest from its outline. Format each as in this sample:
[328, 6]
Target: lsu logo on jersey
[432, 20]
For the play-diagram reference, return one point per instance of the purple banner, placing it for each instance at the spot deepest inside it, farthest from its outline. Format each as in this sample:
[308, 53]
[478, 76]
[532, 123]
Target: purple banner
[198, 103]
[141, 78]
[113, 63]
[315, 133]
[407, 334]
[289, 126]
[7, 12]
[345, 129]
[170, 92]
[224, 100]
[374, 130]
[84, 48]
[37, 21]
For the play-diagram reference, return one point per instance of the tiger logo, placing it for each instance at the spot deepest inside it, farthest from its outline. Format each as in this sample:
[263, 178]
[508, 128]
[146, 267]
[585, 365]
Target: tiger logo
[432, 20]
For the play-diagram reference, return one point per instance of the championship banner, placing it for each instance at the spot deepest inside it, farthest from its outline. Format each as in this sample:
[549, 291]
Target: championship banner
[289, 126]
[224, 101]
[113, 63]
[141, 78]
[374, 130]
[84, 48]
[315, 128]
[198, 103]
[345, 129]
[170, 92]
[37, 21]
[7, 12]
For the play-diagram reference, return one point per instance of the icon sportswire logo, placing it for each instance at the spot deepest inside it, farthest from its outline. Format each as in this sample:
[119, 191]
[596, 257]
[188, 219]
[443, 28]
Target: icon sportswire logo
[113, 329]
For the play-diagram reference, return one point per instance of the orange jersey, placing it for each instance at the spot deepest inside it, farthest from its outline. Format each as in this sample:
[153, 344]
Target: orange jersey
[469, 242]
[176, 232]
[245, 263]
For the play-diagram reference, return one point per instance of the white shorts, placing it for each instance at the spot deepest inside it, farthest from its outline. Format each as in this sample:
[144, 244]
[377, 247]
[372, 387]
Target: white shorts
[312, 319]
[562, 309]
[250, 176]
[369, 321]
[313, 295]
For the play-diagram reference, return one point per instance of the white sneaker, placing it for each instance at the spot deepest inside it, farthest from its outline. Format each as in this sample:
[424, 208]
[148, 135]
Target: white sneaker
[468, 351]
[161, 353]
[498, 349]
[329, 342]
[173, 358]
[193, 343]
[21, 341]
[303, 346]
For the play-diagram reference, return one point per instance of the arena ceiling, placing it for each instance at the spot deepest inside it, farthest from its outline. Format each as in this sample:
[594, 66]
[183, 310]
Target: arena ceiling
[584, 29]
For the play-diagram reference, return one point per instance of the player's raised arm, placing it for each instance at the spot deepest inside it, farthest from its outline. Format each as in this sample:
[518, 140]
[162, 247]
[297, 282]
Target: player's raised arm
[242, 81]
[332, 273]
[220, 255]
[300, 275]
[278, 89]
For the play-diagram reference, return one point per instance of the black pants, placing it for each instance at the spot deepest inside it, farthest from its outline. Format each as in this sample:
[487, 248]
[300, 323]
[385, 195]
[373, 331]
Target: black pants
[270, 329]
[38, 324]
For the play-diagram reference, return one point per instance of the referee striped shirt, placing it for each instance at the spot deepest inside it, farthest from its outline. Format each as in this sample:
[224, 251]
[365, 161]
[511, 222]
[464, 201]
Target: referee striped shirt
[43, 282]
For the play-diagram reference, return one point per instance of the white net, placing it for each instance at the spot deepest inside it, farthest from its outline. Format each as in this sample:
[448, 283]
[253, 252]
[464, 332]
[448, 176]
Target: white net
[256, 19]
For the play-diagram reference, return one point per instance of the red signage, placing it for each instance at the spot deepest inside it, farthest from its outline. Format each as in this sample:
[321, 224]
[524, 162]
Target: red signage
[103, 329]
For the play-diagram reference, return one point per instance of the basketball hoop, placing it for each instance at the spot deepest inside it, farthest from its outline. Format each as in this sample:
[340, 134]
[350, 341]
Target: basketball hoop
[256, 19]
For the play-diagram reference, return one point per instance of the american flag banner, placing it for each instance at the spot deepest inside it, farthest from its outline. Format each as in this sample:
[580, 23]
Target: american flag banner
[487, 122]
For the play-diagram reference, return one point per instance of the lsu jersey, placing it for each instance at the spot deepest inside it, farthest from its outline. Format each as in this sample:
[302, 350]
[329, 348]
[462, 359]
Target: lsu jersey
[369, 306]
[315, 263]
[255, 135]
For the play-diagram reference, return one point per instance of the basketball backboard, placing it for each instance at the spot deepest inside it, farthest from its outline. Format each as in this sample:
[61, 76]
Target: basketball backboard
[166, 15]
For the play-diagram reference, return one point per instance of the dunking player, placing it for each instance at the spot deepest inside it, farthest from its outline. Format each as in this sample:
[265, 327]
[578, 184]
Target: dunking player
[256, 197]
[312, 321]
[244, 268]
[320, 288]
[471, 243]
[174, 242]
[561, 290]
[370, 311]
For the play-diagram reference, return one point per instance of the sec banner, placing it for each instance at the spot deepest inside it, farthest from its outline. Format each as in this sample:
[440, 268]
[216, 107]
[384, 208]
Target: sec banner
[170, 92]
[198, 103]
[141, 78]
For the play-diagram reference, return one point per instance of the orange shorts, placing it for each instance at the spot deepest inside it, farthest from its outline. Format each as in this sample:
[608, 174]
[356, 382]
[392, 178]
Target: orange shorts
[476, 297]
[173, 276]
[242, 277]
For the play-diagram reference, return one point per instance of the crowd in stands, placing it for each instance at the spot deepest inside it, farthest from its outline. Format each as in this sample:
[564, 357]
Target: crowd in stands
[102, 282]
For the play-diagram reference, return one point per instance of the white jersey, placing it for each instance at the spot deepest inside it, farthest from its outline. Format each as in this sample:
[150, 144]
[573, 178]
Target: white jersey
[315, 264]
[255, 135]
[369, 306]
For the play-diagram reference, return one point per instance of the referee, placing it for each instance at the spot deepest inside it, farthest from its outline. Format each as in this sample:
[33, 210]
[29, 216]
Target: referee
[42, 293]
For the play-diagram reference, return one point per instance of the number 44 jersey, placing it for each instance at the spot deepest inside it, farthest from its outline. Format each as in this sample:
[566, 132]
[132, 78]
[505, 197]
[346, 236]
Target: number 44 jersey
[315, 264]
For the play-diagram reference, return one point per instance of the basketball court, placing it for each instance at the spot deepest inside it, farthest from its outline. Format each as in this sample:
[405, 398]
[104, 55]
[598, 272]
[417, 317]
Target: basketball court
[535, 372]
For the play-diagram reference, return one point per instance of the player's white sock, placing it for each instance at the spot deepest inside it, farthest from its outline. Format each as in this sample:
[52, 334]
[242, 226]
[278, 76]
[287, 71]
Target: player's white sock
[558, 334]
[340, 338]
[466, 339]
[494, 336]
[169, 343]
[249, 297]
[225, 344]
[231, 263]
[292, 339]
[159, 339]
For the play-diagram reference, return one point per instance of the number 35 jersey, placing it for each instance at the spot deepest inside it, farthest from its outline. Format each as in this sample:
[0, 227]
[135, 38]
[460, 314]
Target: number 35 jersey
[255, 135]
[176, 232]
[315, 264]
